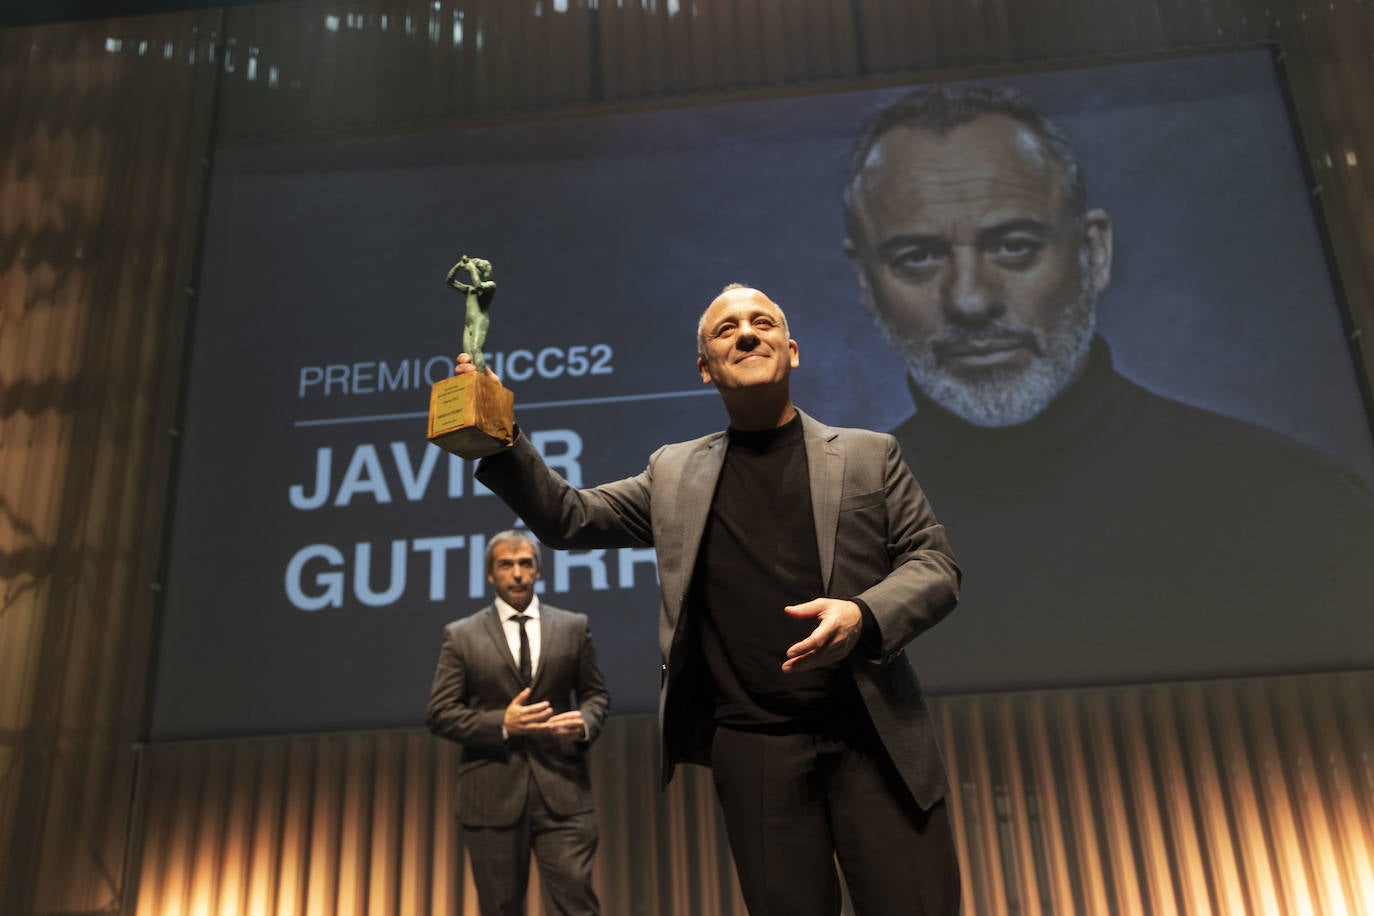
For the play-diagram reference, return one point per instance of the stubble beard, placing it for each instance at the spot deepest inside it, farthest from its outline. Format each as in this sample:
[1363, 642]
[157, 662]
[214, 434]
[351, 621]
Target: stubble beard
[999, 396]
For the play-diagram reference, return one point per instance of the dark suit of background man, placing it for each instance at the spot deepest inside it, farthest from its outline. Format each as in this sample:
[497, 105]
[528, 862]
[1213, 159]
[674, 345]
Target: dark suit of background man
[1122, 535]
[506, 697]
[795, 561]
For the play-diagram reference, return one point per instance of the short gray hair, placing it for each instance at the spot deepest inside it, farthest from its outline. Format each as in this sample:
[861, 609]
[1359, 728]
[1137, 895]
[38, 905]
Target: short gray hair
[940, 109]
[511, 535]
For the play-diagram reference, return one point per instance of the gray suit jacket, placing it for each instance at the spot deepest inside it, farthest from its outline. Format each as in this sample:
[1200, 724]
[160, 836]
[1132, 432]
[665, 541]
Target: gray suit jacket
[476, 679]
[879, 543]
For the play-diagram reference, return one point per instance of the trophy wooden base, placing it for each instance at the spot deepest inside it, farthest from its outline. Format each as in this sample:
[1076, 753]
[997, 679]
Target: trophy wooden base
[471, 415]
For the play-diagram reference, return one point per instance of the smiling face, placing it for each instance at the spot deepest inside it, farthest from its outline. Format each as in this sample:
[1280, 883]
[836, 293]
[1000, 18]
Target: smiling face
[745, 343]
[513, 570]
[971, 257]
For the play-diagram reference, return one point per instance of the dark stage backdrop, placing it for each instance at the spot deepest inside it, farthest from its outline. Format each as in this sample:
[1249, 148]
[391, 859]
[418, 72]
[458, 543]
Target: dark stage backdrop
[319, 545]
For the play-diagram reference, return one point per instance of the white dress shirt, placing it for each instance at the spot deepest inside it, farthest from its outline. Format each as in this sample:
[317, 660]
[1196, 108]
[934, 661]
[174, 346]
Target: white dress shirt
[512, 628]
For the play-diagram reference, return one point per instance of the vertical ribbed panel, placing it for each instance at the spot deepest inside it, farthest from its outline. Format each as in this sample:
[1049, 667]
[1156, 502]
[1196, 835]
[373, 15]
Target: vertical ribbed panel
[654, 47]
[363, 823]
[910, 35]
[321, 66]
[1334, 98]
[1252, 796]
[96, 208]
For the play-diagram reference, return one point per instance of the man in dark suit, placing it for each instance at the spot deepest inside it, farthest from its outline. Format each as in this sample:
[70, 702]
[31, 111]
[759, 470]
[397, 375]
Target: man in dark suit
[796, 561]
[502, 690]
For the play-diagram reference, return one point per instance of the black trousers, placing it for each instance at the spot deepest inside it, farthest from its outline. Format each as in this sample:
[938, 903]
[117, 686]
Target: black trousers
[795, 803]
[563, 847]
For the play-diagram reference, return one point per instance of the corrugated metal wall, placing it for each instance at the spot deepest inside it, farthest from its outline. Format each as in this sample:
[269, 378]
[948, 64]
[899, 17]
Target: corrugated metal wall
[95, 193]
[380, 63]
[363, 823]
[102, 129]
[1330, 52]
[1251, 796]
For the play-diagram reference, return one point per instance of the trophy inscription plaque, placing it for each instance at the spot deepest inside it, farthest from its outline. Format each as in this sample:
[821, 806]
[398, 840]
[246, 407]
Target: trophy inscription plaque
[472, 415]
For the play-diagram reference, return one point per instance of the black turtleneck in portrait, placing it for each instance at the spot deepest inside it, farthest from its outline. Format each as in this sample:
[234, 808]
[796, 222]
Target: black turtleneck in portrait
[1122, 536]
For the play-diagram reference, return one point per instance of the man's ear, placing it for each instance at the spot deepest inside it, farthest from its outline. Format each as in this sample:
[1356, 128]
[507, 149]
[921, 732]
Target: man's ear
[796, 354]
[705, 373]
[1097, 236]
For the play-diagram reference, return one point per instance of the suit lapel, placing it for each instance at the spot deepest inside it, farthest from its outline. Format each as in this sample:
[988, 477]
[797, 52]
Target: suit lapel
[491, 622]
[825, 466]
[696, 487]
[549, 634]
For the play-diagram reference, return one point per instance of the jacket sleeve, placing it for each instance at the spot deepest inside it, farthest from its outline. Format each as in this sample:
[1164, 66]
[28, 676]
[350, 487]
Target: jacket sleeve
[923, 584]
[593, 699]
[561, 515]
[449, 714]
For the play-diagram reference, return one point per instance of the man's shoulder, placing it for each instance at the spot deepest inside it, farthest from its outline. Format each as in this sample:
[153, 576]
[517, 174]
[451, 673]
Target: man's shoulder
[678, 450]
[847, 436]
[481, 618]
[1199, 428]
[471, 620]
[1128, 436]
[1233, 453]
[558, 615]
[858, 435]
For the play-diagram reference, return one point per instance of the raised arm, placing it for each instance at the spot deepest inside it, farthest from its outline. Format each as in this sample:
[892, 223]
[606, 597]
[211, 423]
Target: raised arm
[561, 515]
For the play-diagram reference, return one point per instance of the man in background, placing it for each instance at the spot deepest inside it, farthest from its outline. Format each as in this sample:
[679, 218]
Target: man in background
[1121, 535]
[504, 689]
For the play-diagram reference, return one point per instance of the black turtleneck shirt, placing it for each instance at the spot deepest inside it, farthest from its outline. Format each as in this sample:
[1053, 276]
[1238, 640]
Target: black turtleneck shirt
[1123, 536]
[759, 555]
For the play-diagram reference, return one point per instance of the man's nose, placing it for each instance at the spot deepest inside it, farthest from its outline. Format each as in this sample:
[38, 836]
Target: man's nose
[747, 339]
[971, 294]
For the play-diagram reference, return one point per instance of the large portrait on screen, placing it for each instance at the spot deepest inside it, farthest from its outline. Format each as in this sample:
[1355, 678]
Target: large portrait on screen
[1108, 530]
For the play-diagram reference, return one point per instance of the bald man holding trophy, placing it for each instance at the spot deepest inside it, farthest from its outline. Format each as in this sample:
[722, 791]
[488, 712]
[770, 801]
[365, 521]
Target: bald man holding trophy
[796, 561]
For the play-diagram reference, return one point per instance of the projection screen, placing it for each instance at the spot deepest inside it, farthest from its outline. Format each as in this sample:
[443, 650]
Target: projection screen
[1200, 509]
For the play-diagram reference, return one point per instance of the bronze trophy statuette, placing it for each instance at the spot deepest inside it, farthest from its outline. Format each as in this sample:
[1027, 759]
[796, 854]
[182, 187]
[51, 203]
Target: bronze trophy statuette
[472, 415]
